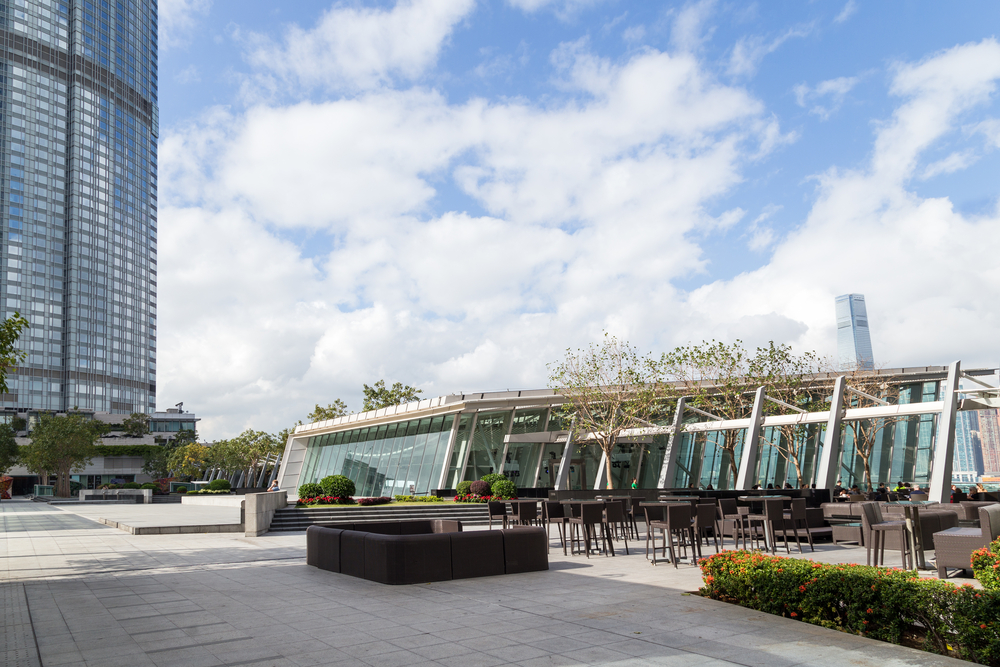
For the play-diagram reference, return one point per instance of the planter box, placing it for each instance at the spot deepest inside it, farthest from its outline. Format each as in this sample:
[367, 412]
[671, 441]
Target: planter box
[137, 496]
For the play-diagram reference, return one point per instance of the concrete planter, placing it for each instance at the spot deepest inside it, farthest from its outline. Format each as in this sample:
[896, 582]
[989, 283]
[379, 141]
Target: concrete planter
[137, 496]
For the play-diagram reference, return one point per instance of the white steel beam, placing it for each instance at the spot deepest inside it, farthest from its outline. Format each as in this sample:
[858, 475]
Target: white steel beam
[944, 442]
[751, 443]
[669, 466]
[562, 476]
[829, 463]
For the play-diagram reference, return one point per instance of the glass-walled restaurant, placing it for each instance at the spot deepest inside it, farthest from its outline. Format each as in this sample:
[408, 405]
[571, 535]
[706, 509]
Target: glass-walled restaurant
[420, 455]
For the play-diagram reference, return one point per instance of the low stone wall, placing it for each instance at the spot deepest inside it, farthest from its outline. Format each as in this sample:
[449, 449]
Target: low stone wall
[220, 500]
[259, 509]
[137, 496]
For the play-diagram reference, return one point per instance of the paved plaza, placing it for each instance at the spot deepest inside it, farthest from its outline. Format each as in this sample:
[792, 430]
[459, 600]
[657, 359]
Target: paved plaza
[77, 592]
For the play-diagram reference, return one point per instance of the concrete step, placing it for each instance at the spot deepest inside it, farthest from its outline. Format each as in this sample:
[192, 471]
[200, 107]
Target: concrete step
[300, 519]
[166, 499]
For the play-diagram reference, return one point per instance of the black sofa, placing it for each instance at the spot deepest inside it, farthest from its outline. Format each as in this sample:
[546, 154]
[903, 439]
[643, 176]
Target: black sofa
[417, 552]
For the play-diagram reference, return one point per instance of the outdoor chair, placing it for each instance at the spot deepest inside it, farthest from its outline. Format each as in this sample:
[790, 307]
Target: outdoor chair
[553, 512]
[498, 511]
[704, 521]
[654, 517]
[797, 518]
[591, 518]
[614, 516]
[953, 547]
[875, 532]
[680, 525]
[774, 522]
[729, 515]
[527, 513]
[751, 521]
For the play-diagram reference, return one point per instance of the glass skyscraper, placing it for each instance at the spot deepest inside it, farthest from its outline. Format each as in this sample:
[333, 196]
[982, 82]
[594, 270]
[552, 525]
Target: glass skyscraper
[79, 126]
[854, 344]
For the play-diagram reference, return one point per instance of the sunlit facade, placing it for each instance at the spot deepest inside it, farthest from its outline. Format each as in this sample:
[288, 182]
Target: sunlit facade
[435, 444]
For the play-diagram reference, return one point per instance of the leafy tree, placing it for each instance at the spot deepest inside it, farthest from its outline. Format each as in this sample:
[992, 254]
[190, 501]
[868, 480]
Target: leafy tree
[720, 379]
[336, 409]
[189, 460]
[136, 425]
[10, 331]
[157, 458]
[10, 451]
[378, 397]
[62, 444]
[246, 452]
[609, 388]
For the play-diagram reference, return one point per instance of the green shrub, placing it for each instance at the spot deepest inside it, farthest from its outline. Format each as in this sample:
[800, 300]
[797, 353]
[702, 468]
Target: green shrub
[220, 485]
[418, 499]
[504, 488]
[310, 490]
[880, 603]
[181, 489]
[152, 486]
[131, 485]
[338, 486]
[986, 565]
[75, 488]
[464, 488]
[493, 478]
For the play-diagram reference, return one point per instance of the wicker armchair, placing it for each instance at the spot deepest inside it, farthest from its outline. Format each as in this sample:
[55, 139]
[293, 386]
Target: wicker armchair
[953, 547]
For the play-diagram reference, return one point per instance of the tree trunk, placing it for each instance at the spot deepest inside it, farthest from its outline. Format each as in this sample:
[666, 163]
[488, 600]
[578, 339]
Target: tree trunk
[608, 449]
[62, 482]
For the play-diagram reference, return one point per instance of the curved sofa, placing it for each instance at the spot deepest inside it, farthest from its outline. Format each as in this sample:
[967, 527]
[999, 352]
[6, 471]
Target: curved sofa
[417, 552]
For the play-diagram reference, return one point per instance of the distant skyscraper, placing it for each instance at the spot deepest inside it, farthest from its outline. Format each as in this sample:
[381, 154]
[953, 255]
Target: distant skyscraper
[989, 435]
[854, 344]
[78, 126]
[968, 462]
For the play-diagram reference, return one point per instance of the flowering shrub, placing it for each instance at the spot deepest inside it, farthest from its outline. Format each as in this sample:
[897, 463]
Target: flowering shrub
[325, 500]
[986, 565]
[881, 603]
[472, 498]
[381, 500]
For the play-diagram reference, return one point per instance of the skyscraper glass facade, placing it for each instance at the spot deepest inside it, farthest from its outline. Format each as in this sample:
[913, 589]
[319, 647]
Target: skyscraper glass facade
[854, 342]
[79, 128]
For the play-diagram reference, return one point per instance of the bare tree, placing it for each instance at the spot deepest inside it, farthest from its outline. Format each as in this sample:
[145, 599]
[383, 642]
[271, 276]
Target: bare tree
[609, 388]
[868, 389]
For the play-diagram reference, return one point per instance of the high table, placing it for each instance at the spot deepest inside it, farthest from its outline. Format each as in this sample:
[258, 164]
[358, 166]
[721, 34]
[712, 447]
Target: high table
[911, 514]
[516, 503]
[578, 503]
[667, 501]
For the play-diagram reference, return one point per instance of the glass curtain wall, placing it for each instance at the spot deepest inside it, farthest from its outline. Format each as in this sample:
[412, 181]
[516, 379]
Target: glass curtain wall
[487, 444]
[521, 461]
[382, 460]
[459, 451]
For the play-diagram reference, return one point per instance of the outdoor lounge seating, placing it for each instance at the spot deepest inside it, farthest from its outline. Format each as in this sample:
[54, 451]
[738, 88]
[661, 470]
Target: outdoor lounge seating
[414, 552]
[954, 546]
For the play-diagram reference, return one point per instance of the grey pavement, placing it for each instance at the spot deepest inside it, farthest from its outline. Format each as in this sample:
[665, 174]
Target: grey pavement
[95, 595]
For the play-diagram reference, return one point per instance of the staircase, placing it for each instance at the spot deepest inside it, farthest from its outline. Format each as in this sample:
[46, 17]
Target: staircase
[299, 519]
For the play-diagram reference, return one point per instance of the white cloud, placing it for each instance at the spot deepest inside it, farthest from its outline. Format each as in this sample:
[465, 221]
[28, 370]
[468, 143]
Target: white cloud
[177, 18]
[189, 74]
[563, 9]
[358, 48]
[847, 12]
[949, 165]
[831, 91]
[748, 52]
[867, 233]
[590, 206]
[689, 31]
[761, 235]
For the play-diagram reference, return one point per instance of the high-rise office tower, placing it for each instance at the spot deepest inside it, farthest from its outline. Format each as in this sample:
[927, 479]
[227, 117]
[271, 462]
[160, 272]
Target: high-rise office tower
[968, 462]
[79, 127]
[989, 434]
[854, 344]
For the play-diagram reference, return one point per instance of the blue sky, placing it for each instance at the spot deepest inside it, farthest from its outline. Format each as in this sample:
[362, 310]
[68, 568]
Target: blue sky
[450, 193]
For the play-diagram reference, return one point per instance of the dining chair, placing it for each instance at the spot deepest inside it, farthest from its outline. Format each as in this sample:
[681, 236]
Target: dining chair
[498, 511]
[553, 512]
[590, 520]
[614, 517]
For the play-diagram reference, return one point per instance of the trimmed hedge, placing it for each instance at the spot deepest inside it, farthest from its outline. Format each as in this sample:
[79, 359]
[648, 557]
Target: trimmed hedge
[381, 500]
[220, 485]
[986, 565]
[310, 490]
[504, 488]
[881, 603]
[338, 486]
[418, 499]
[480, 488]
[492, 478]
[464, 488]
[131, 485]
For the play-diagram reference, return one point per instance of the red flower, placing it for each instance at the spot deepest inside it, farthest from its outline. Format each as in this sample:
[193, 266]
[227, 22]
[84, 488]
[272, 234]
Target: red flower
[982, 625]
[794, 614]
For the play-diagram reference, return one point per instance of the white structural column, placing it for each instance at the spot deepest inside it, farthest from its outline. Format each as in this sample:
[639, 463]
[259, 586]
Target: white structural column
[448, 452]
[562, 476]
[602, 472]
[829, 462]
[669, 467]
[751, 445]
[944, 443]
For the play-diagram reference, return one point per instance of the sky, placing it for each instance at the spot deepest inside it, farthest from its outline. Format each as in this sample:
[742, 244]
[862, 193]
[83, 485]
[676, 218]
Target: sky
[452, 193]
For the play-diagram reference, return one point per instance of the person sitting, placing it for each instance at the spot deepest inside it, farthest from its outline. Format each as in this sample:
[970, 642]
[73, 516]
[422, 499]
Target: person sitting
[710, 488]
[839, 488]
[957, 494]
[274, 486]
[787, 485]
[900, 487]
[843, 494]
